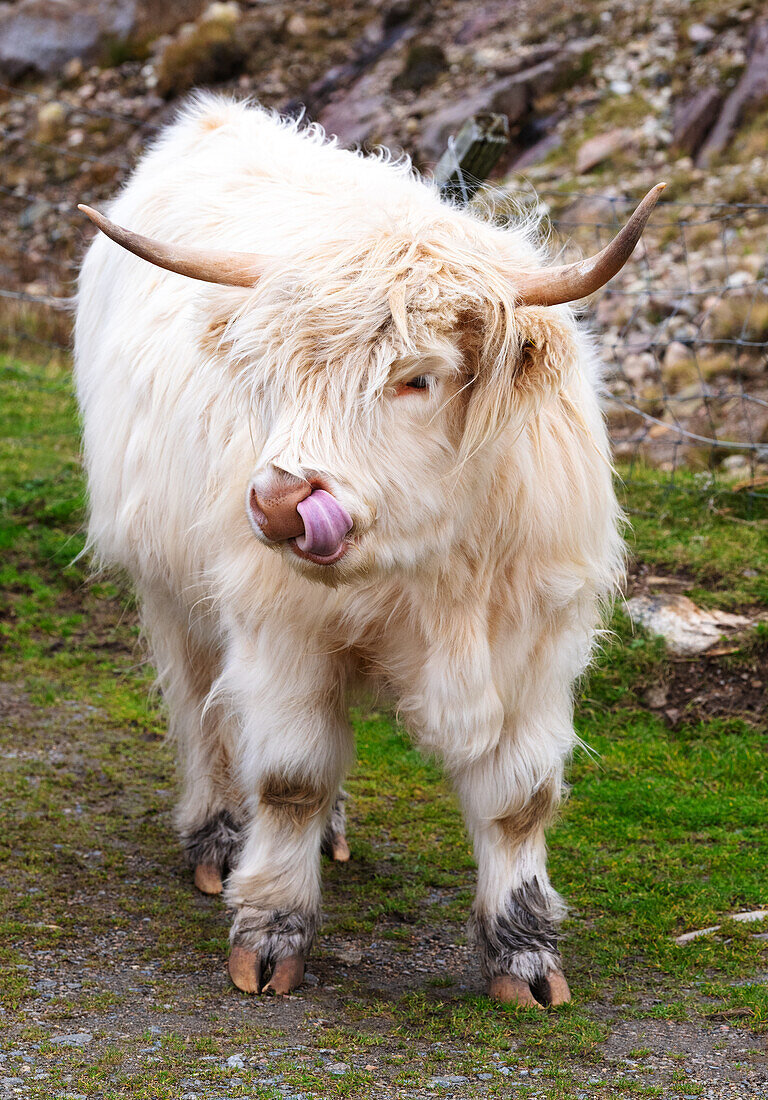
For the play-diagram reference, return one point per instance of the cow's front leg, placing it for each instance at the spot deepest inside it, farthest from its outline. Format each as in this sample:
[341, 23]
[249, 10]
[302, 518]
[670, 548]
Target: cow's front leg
[295, 746]
[276, 884]
[516, 913]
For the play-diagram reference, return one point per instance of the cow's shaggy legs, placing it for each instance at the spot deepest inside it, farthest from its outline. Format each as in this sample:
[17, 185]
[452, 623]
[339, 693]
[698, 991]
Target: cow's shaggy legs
[516, 913]
[294, 749]
[276, 884]
[208, 815]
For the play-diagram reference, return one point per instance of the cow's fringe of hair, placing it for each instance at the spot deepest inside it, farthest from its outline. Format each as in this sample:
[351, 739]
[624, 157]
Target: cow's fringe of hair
[274, 934]
[216, 842]
[522, 939]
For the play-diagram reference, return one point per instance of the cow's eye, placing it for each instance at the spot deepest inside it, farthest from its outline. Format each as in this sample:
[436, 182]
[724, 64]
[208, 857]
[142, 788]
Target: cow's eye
[420, 382]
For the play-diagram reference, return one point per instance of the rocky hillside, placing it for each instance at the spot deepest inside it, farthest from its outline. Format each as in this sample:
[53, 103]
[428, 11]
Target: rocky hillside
[602, 99]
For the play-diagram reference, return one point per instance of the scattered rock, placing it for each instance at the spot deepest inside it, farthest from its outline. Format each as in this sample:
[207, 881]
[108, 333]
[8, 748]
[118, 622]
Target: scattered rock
[598, 149]
[338, 1069]
[41, 36]
[34, 213]
[203, 53]
[51, 121]
[686, 628]
[353, 118]
[75, 1039]
[656, 697]
[351, 956]
[424, 63]
[677, 354]
[752, 88]
[694, 118]
[742, 918]
[699, 33]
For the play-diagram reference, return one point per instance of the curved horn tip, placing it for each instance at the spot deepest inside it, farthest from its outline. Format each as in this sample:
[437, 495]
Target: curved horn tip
[655, 192]
[89, 212]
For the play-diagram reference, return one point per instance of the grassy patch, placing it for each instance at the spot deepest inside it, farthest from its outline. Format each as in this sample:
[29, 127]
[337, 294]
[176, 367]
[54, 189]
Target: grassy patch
[663, 832]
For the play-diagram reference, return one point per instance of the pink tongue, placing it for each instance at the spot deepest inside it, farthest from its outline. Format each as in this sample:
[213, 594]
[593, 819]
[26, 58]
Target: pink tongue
[325, 524]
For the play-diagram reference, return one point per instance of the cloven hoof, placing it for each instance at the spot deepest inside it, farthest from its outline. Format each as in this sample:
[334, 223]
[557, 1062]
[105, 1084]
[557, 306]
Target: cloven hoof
[340, 849]
[245, 971]
[549, 992]
[287, 975]
[208, 878]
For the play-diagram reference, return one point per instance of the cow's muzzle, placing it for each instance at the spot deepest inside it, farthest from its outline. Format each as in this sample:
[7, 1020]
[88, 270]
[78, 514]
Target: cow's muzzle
[297, 511]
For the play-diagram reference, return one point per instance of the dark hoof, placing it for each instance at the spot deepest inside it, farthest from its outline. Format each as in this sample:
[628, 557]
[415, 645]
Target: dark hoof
[245, 969]
[208, 878]
[549, 992]
[287, 975]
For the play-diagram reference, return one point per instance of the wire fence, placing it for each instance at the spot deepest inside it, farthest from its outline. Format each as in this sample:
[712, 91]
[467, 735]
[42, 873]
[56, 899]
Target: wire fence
[683, 330]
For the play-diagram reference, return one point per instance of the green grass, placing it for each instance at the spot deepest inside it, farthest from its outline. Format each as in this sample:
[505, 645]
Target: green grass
[663, 832]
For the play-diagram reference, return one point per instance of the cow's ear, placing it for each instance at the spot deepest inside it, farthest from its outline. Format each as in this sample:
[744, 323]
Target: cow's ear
[517, 362]
[547, 353]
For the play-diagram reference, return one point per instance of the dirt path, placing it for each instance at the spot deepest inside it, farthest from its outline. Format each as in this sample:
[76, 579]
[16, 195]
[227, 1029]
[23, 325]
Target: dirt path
[123, 990]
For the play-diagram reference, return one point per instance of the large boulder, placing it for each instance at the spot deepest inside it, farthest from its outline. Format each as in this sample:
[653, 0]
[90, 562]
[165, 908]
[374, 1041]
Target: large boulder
[40, 36]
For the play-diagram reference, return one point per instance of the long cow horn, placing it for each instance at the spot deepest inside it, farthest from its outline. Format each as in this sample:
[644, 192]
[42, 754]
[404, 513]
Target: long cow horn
[210, 265]
[553, 286]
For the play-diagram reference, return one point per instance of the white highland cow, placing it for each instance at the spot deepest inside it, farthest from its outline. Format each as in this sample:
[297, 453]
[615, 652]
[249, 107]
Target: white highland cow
[364, 447]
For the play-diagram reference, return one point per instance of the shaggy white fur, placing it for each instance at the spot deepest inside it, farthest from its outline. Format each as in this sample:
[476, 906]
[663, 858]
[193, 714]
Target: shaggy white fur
[485, 525]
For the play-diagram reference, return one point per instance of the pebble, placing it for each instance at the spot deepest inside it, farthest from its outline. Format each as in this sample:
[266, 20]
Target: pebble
[75, 1039]
[338, 1069]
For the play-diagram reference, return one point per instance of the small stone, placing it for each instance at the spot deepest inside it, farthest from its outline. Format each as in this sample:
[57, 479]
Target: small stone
[638, 367]
[424, 63]
[222, 11]
[351, 956]
[51, 121]
[236, 1061]
[677, 354]
[338, 1069]
[75, 1039]
[601, 148]
[34, 213]
[694, 118]
[73, 69]
[686, 628]
[297, 26]
[698, 33]
[656, 697]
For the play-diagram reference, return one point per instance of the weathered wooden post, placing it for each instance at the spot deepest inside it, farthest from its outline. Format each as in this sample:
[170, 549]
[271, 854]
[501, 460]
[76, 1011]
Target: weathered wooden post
[471, 156]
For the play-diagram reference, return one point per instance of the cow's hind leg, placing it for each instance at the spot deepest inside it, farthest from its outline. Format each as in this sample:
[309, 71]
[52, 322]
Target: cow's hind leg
[516, 914]
[208, 815]
[334, 843]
